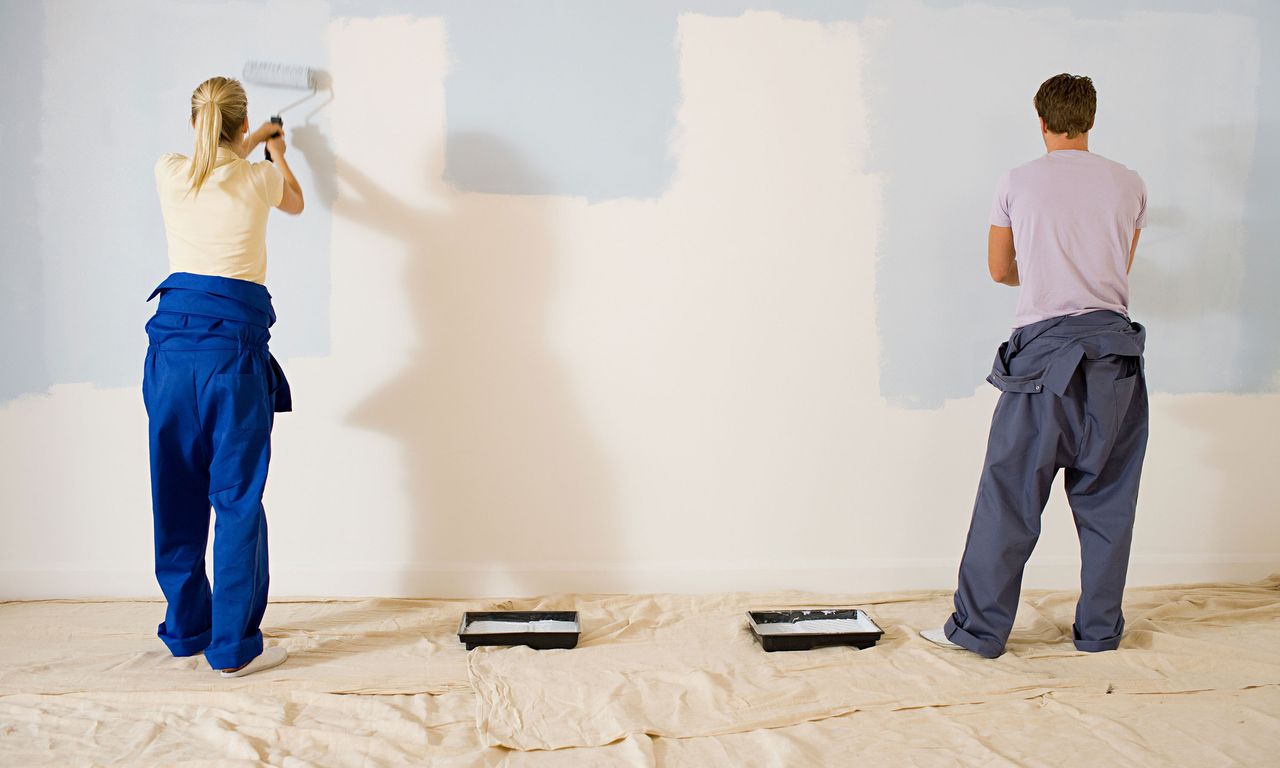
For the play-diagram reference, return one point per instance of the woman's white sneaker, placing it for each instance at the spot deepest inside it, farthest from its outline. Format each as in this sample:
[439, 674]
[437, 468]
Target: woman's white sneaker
[270, 657]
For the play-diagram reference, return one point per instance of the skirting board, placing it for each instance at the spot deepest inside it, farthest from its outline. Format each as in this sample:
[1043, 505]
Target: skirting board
[29, 581]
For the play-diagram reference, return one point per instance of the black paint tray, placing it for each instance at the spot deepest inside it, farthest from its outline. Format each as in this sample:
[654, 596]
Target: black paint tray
[559, 629]
[805, 630]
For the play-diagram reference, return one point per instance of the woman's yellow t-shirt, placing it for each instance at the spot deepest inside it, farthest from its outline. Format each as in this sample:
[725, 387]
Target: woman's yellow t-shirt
[222, 229]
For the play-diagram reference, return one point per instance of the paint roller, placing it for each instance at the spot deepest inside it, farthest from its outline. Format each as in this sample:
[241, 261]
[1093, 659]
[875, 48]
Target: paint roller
[282, 76]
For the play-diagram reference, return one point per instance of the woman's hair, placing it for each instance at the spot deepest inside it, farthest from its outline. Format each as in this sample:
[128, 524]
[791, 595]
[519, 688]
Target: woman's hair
[218, 110]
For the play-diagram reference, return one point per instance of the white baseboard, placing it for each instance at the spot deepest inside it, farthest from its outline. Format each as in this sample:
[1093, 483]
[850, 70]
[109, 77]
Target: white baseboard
[30, 581]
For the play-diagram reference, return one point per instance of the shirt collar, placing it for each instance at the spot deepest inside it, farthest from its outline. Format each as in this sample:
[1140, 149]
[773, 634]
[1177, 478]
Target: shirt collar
[225, 155]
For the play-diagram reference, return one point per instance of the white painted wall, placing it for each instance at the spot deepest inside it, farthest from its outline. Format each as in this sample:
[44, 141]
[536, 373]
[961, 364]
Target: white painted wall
[529, 394]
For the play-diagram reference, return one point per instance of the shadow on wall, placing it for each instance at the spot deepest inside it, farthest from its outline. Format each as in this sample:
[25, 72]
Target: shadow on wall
[503, 474]
[314, 146]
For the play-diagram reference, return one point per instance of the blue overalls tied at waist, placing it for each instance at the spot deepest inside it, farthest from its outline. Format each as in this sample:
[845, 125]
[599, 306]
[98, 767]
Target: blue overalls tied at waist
[244, 304]
[211, 389]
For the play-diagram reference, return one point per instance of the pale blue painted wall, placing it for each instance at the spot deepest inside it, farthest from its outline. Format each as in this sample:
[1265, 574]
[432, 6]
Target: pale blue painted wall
[84, 243]
[1207, 300]
[587, 93]
[25, 368]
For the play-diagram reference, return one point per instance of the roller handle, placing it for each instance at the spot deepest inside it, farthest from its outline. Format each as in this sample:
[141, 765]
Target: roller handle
[278, 121]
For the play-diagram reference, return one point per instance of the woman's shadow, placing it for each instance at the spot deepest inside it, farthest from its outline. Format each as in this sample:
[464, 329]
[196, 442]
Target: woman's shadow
[503, 474]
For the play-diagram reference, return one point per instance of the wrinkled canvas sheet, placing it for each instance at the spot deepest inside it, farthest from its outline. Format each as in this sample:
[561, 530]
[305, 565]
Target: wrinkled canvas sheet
[683, 667]
[656, 681]
[335, 646]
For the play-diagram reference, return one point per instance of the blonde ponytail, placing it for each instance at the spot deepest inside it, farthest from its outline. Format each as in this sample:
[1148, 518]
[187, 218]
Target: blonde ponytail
[218, 110]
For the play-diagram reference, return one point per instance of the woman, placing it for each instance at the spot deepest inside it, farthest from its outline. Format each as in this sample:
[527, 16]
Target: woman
[210, 386]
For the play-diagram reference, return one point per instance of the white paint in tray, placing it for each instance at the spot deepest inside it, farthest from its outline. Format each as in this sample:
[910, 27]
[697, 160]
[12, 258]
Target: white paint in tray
[490, 627]
[818, 626]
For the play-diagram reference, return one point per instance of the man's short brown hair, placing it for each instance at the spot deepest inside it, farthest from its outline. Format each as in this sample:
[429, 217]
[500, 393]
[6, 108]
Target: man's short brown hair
[1067, 104]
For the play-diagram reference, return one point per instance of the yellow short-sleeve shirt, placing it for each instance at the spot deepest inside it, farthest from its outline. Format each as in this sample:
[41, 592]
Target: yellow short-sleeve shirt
[222, 229]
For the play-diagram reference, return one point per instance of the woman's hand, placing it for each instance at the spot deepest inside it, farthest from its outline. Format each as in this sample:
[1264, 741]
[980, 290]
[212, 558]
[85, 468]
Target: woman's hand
[262, 133]
[276, 145]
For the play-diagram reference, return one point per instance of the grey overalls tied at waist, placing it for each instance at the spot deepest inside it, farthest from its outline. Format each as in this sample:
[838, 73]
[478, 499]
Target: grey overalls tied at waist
[1044, 355]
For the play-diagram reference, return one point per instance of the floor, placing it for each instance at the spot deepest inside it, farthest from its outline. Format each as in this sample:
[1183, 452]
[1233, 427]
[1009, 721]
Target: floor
[657, 680]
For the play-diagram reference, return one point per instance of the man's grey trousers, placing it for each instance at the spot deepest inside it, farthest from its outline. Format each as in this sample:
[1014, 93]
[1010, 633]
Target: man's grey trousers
[1074, 397]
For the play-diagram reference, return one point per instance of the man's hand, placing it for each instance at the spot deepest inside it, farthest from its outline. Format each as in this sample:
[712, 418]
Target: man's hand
[1000, 256]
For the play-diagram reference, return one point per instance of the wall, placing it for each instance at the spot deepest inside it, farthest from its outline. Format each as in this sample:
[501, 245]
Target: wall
[664, 296]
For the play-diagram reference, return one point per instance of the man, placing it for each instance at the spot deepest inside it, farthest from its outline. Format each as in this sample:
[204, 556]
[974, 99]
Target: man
[1064, 227]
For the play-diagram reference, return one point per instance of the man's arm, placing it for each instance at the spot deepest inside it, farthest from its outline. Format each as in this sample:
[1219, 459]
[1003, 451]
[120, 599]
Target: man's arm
[1000, 256]
[1132, 250]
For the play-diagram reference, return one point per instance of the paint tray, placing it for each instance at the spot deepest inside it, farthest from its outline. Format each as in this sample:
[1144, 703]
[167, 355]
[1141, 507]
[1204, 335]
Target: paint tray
[536, 629]
[804, 630]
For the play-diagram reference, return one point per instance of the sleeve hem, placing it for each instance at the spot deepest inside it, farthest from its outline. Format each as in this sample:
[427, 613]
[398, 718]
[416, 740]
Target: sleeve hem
[273, 183]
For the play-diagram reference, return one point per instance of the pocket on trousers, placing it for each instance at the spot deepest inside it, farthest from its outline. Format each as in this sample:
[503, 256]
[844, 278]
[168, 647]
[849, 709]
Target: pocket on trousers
[147, 381]
[243, 401]
[1124, 389]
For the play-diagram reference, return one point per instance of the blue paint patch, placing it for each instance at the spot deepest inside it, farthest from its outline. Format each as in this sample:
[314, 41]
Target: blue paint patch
[588, 89]
[1256, 367]
[22, 287]
[940, 317]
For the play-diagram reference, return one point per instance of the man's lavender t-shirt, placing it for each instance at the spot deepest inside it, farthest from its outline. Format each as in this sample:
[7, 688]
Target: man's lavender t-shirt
[1073, 215]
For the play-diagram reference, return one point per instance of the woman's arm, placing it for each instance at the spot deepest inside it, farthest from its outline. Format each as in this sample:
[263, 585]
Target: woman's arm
[291, 201]
[254, 138]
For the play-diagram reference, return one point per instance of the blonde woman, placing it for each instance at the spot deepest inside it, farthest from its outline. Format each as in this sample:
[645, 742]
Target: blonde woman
[210, 385]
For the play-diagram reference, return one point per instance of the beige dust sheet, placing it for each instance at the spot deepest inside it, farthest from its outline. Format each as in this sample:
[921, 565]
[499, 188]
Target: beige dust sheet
[657, 680]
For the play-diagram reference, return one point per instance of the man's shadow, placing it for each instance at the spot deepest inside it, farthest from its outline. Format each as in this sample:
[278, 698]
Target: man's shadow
[502, 470]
